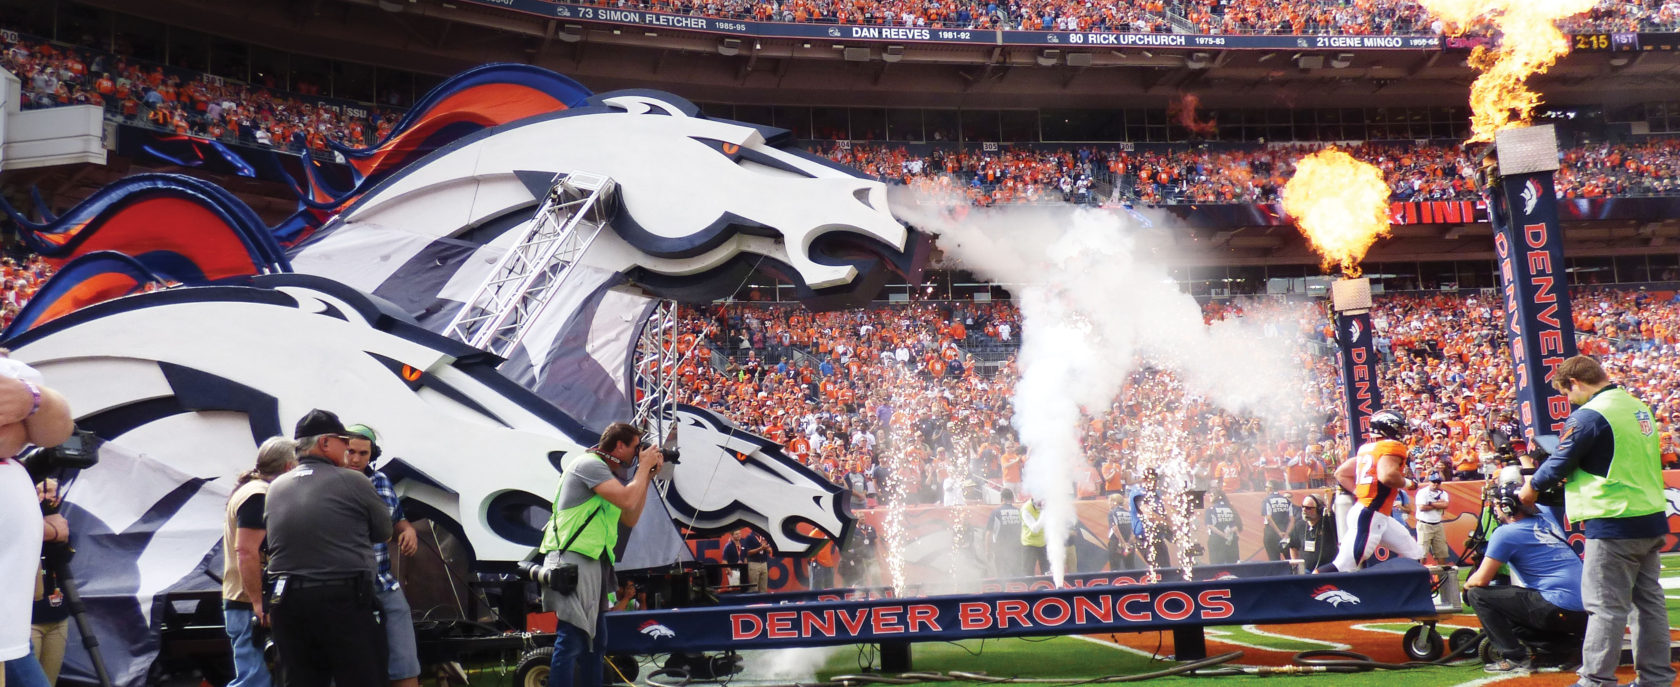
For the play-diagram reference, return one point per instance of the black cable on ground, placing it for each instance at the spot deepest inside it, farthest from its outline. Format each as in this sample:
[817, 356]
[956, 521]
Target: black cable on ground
[1335, 661]
[1316, 661]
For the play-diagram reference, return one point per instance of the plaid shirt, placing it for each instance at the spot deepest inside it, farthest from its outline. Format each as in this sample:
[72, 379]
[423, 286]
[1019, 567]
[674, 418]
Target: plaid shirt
[381, 551]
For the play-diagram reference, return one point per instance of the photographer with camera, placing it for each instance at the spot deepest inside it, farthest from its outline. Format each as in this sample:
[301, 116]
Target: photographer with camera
[30, 413]
[593, 500]
[243, 531]
[1545, 606]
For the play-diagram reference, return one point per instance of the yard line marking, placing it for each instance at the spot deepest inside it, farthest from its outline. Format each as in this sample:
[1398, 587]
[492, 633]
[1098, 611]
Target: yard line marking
[1334, 645]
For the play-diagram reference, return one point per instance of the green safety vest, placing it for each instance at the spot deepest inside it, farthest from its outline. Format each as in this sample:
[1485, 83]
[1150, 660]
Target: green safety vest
[601, 535]
[1028, 537]
[1633, 486]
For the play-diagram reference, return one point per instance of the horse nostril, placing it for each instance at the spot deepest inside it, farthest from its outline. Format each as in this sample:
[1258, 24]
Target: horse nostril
[862, 194]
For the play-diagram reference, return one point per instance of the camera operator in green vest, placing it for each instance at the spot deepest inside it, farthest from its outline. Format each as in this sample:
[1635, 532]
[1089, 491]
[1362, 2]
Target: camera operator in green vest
[1608, 462]
[593, 500]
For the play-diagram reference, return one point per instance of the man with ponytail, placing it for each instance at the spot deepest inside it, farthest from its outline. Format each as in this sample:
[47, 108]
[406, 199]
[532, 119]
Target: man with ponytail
[242, 560]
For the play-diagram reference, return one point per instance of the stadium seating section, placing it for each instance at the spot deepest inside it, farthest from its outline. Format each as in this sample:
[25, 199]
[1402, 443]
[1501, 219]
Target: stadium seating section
[936, 379]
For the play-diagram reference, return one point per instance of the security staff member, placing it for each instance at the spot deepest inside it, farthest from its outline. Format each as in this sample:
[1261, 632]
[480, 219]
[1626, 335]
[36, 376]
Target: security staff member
[1223, 528]
[1003, 539]
[1122, 550]
[593, 500]
[322, 524]
[1314, 538]
[1610, 464]
[1545, 604]
[1277, 513]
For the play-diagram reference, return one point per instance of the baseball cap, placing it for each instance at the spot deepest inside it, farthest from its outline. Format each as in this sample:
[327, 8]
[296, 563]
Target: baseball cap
[317, 422]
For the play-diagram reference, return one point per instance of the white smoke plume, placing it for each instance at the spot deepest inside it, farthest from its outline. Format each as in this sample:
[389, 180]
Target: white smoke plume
[787, 665]
[1093, 300]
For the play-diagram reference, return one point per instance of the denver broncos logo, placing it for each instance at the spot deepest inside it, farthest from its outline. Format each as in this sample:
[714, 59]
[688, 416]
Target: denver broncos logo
[1333, 595]
[656, 630]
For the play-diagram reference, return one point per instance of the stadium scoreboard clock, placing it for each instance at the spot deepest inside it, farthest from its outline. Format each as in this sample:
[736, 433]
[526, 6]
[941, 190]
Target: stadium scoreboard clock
[1620, 42]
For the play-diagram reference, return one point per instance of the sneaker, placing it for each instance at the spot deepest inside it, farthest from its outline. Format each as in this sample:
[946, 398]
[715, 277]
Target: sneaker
[1507, 666]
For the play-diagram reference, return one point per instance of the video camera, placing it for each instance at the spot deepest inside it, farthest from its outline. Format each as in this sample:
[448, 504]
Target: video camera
[79, 452]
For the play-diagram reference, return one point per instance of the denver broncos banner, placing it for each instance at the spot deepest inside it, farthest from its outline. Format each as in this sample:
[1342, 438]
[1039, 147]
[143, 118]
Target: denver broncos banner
[1528, 242]
[1359, 374]
[1399, 589]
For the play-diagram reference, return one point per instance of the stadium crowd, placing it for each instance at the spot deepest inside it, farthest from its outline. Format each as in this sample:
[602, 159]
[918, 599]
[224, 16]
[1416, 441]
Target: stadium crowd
[1199, 174]
[844, 390]
[187, 102]
[196, 104]
[1294, 17]
[19, 280]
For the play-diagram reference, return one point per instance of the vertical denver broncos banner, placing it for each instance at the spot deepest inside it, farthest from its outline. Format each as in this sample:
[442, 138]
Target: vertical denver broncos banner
[1529, 244]
[1359, 374]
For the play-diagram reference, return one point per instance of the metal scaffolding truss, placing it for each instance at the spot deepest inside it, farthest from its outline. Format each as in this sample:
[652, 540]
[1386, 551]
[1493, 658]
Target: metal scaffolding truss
[655, 370]
[527, 277]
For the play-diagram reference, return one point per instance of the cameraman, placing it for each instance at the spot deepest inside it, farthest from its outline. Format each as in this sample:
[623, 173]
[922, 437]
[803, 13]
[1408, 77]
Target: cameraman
[592, 501]
[1546, 603]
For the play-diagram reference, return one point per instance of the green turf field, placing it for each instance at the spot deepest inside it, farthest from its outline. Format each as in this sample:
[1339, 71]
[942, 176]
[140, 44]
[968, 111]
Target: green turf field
[1078, 659]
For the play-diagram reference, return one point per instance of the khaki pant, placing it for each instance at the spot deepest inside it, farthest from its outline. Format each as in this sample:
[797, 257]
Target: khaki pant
[758, 577]
[1433, 538]
[48, 640]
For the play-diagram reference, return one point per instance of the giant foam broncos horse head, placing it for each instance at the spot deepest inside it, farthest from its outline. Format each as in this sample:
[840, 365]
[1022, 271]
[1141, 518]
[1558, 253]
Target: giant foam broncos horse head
[189, 380]
[198, 377]
[703, 203]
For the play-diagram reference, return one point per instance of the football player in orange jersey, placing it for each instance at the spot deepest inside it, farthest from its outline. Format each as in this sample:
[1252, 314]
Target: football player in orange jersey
[1375, 475]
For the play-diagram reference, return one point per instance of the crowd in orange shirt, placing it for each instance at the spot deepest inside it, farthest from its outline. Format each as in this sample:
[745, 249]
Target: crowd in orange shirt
[189, 103]
[1012, 175]
[1200, 174]
[18, 282]
[840, 390]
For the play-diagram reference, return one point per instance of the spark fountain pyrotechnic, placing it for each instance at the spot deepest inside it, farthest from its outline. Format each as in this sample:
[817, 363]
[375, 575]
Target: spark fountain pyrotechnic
[1341, 204]
[1095, 299]
[1529, 43]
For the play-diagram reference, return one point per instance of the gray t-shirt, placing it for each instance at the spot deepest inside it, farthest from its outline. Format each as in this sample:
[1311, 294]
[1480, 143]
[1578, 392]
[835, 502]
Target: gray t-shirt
[583, 473]
[323, 521]
[582, 608]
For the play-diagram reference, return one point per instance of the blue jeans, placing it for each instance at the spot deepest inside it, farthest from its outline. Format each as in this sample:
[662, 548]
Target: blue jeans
[249, 669]
[25, 672]
[574, 652]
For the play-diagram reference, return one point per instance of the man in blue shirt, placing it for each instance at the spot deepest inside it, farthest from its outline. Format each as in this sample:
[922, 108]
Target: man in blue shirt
[1543, 603]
